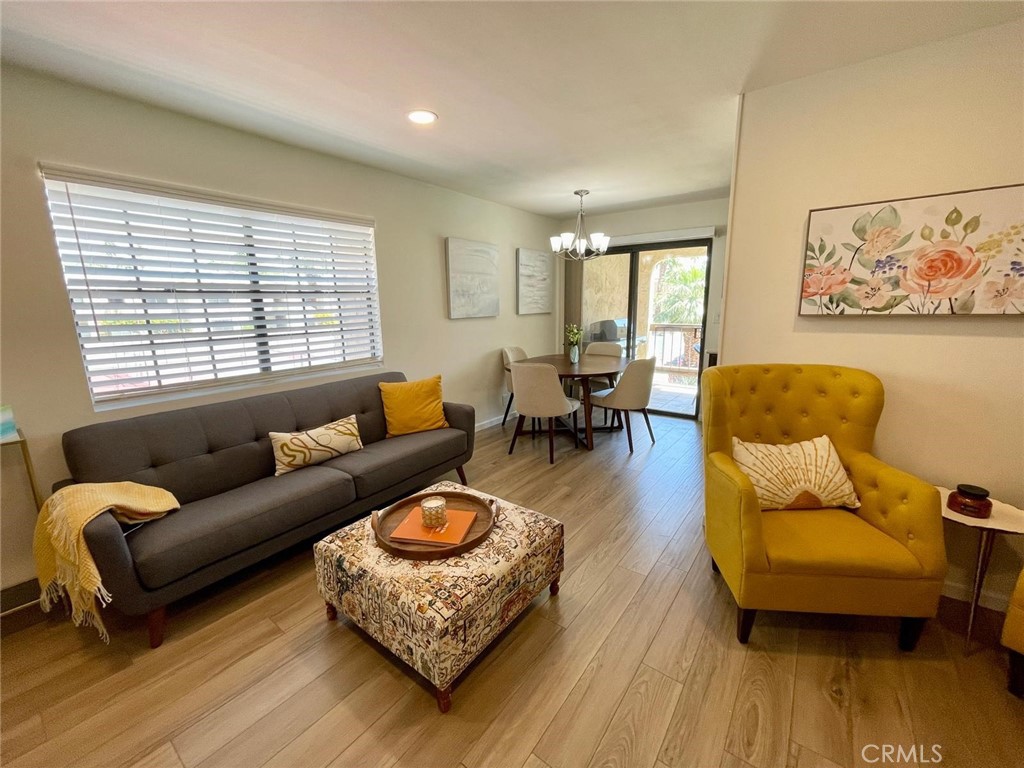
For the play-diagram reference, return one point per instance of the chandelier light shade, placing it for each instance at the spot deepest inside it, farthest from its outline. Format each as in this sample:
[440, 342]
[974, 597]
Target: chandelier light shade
[578, 245]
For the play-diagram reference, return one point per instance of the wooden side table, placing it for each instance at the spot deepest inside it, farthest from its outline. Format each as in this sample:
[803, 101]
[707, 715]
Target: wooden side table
[23, 443]
[1005, 518]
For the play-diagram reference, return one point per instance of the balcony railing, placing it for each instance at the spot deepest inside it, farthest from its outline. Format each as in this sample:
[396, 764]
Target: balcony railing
[675, 346]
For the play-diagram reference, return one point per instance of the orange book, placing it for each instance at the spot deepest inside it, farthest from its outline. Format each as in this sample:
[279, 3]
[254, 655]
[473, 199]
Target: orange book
[413, 531]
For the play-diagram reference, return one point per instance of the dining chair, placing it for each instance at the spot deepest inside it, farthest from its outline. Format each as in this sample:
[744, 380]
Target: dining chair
[510, 355]
[609, 349]
[541, 396]
[632, 393]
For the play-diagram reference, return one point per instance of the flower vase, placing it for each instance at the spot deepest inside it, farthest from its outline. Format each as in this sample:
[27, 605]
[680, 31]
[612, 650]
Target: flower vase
[574, 354]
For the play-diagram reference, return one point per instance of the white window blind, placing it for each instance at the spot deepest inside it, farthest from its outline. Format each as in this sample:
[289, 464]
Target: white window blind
[172, 293]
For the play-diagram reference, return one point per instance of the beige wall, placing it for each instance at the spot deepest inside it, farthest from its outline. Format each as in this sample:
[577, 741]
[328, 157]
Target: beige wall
[707, 213]
[943, 117]
[42, 378]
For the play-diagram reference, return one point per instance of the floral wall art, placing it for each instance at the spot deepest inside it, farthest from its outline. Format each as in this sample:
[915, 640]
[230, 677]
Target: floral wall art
[954, 254]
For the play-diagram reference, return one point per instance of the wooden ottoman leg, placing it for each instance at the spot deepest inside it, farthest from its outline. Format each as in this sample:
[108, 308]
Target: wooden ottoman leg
[444, 698]
[554, 585]
[332, 612]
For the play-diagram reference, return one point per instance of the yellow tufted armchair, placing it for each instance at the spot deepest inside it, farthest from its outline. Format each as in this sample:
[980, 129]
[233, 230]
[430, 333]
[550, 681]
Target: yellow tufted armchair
[887, 558]
[1013, 638]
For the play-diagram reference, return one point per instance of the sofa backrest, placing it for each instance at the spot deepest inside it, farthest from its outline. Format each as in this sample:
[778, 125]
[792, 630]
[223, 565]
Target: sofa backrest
[200, 452]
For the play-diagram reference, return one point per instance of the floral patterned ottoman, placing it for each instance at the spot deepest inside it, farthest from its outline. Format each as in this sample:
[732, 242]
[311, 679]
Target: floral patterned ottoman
[437, 616]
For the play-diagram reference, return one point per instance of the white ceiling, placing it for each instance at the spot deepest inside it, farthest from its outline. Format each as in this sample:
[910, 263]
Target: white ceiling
[636, 101]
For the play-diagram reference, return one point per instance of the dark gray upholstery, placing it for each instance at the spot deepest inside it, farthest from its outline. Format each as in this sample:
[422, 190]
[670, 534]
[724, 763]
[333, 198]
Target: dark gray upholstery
[210, 529]
[218, 462]
[200, 452]
[382, 464]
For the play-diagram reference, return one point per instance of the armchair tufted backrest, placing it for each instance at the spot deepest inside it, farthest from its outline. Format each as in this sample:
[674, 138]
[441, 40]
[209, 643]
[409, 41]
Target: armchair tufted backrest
[783, 403]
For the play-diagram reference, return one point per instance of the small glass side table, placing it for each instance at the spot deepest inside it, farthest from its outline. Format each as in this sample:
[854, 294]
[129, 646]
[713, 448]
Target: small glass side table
[23, 443]
[1005, 518]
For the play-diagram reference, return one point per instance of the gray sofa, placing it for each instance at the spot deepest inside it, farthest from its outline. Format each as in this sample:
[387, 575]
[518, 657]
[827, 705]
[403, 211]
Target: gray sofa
[218, 462]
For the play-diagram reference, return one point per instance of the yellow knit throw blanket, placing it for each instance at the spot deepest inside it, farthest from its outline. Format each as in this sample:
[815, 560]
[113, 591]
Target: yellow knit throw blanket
[63, 561]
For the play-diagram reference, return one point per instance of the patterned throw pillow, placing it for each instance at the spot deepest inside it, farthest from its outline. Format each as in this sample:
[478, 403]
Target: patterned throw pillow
[294, 450]
[807, 475]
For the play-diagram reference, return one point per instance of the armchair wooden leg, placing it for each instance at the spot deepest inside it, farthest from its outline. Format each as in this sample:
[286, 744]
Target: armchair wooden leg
[156, 623]
[714, 566]
[551, 440]
[629, 431]
[462, 475]
[910, 632]
[518, 431]
[744, 623]
[1016, 683]
[508, 408]
[650, 431]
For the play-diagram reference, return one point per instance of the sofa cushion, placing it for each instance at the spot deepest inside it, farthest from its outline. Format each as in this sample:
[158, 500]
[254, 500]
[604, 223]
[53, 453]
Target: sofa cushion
[413, 406]
[211, 529]
[834, 542]
[383, 464]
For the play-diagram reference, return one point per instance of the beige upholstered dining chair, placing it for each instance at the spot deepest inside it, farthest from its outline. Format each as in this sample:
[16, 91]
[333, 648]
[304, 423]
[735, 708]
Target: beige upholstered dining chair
[510, 355]
[540, 396]
[632, 393]
[609, 349]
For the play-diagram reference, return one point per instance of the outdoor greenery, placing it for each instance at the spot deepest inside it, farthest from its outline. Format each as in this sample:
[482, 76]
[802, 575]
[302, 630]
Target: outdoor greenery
[679, 290]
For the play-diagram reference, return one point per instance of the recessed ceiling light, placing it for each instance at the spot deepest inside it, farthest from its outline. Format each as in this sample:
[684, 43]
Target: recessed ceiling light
[422, 116]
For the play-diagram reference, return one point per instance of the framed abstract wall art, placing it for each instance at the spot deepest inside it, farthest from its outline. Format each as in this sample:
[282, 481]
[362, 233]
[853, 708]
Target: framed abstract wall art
[955, 254]
[534, 282]
[472, 278]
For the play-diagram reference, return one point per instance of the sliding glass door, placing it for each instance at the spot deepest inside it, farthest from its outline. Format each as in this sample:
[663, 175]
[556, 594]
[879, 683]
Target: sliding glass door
[652, 299]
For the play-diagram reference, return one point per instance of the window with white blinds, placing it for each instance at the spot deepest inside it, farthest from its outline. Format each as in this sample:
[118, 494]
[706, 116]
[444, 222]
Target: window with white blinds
[171, 292]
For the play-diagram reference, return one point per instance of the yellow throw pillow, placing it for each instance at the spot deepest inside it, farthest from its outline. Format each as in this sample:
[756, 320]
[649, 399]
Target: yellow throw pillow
[807, 475]
[294, 450]
[413, 406]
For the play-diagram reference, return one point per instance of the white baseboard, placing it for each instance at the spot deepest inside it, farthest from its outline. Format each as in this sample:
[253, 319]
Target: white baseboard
[513, 415]
[990, 599]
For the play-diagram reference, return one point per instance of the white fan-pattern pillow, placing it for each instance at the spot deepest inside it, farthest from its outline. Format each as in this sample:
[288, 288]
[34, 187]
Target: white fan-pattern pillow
[806, 475]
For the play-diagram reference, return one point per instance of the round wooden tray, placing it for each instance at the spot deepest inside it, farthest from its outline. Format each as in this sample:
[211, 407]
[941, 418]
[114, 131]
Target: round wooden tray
[385, 521]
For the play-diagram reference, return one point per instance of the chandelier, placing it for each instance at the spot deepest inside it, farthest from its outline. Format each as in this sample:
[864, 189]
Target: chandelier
[578, 245]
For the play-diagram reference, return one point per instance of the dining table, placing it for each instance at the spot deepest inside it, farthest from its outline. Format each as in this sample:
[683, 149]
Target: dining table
[588, 367]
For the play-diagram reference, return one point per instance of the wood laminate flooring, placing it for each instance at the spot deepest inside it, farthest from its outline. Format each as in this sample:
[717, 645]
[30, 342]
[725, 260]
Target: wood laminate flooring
[634, 663]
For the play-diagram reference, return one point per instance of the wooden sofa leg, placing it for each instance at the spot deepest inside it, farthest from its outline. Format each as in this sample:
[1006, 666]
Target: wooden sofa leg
[1016, 683]
[462, 475]
[744, 623]
[156, 622]
[910, 632]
